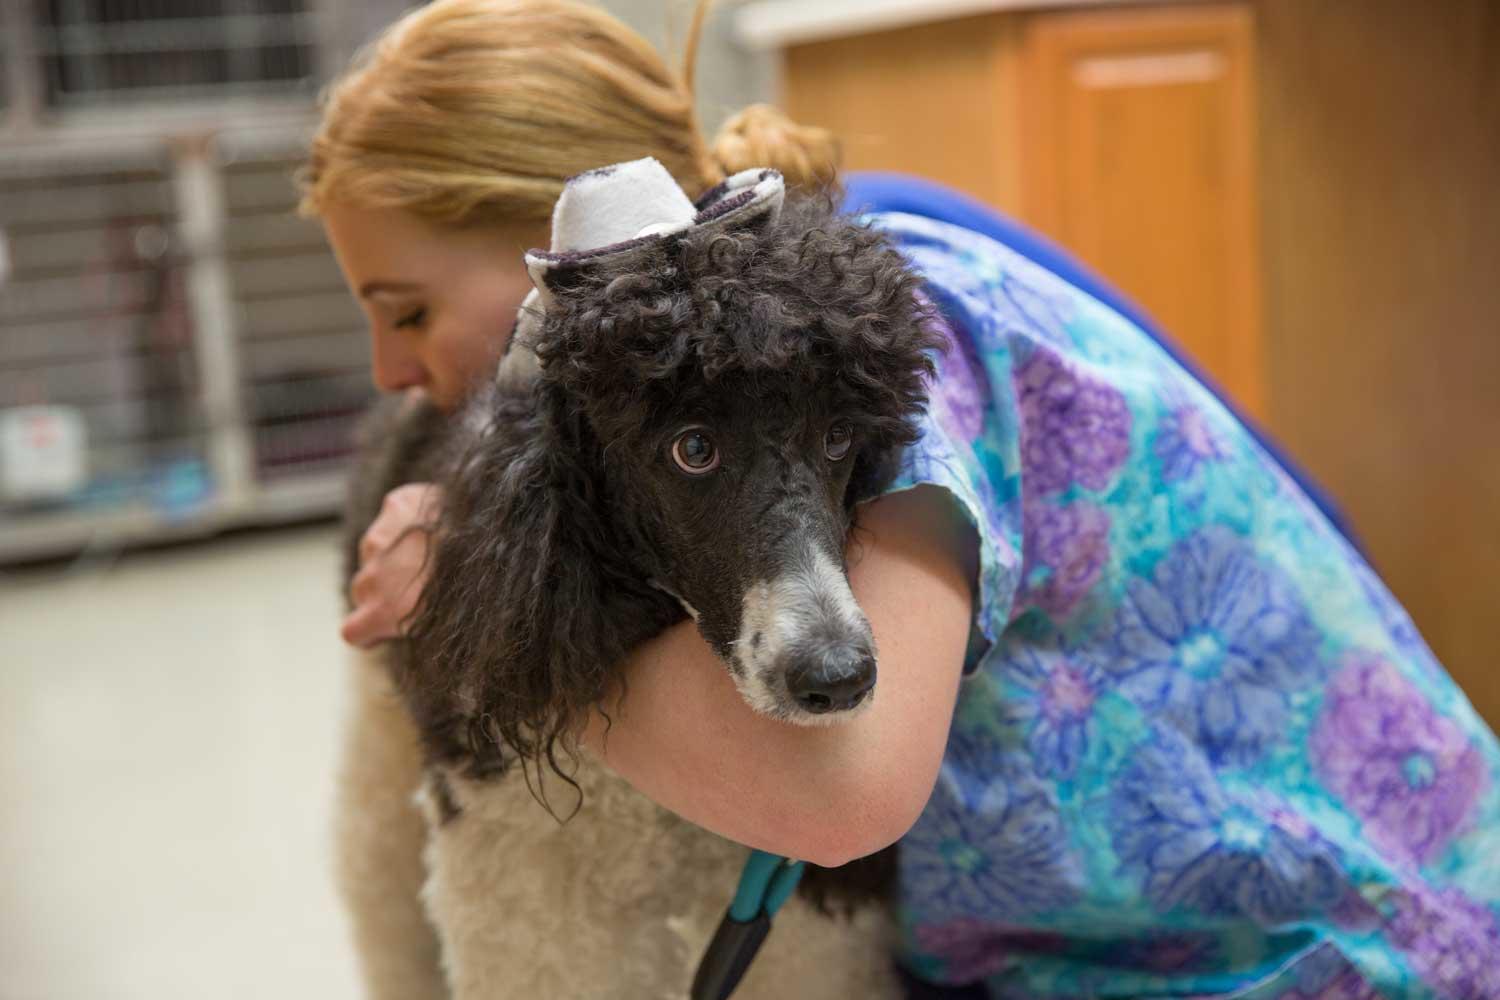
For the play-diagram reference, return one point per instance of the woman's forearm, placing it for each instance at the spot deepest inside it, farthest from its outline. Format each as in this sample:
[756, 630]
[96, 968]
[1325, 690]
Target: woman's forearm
[685, 738]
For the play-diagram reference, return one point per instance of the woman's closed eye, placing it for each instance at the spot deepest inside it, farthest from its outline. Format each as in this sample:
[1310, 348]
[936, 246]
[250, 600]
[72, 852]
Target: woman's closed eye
[413, 319]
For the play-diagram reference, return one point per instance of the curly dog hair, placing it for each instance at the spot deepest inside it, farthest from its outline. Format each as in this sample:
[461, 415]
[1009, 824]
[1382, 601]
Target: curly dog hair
[704, 416]
[570, 536]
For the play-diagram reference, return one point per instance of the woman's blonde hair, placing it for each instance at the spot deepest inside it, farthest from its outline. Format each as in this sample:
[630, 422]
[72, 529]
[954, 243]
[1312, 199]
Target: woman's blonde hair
[471, 112]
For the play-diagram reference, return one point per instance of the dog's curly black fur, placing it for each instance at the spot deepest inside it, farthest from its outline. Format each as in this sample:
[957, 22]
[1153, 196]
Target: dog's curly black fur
[550, 555]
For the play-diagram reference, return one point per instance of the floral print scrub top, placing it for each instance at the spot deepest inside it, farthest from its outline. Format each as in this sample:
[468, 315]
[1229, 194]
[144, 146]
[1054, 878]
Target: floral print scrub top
[1200, 750]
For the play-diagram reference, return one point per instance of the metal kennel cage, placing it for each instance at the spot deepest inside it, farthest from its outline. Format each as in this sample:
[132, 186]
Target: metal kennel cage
[177, 351]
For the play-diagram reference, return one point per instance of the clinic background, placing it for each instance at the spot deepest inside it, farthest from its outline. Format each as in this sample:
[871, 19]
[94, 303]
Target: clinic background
[1304, 193]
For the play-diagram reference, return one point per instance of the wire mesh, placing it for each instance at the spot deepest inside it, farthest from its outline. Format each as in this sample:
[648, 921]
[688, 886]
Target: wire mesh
[97, 325]
[106, 51]
[304, 357]
[94, 320]
[166, 311]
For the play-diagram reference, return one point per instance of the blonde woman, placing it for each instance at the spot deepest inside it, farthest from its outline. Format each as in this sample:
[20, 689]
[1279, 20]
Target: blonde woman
[438, 163]
[1197, 748]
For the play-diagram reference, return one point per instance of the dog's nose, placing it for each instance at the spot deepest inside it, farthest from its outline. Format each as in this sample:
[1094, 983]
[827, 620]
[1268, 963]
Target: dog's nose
[833, 681]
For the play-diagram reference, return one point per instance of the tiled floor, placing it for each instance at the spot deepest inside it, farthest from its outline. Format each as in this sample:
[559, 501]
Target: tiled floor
[168, 727]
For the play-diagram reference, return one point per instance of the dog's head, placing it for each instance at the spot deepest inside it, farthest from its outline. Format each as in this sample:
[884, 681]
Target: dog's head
[743, 389]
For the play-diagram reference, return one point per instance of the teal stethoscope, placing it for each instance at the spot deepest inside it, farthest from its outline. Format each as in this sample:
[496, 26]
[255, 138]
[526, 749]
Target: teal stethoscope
[767, 882]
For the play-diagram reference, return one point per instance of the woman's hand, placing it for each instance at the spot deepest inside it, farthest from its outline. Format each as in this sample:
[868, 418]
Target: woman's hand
[393, 565]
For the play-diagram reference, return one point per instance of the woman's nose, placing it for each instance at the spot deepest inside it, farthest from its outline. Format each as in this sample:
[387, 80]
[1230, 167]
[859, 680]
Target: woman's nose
[395, 365]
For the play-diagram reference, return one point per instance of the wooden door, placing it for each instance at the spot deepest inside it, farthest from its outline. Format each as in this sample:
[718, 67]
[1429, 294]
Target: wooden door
[1139, 156]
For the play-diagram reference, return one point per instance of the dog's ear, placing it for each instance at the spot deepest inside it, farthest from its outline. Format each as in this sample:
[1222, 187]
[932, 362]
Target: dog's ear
[750, 199]
[874, 468]
[529, 608]
[903, 366]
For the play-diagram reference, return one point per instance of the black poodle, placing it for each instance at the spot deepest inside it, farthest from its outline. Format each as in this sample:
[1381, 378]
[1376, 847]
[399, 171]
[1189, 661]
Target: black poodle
[703, 414]
[706, 414]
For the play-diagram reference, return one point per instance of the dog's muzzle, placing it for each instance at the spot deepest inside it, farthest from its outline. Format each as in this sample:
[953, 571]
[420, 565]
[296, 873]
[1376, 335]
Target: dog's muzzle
[805, 652]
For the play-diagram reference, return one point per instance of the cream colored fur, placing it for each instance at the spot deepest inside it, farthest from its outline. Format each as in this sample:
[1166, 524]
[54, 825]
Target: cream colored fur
[380, 836]
[619, 902]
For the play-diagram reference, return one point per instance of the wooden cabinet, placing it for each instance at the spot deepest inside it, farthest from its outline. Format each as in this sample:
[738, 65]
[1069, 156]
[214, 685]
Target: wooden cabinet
[936, 100]
[1139, 155]
[1127, 135]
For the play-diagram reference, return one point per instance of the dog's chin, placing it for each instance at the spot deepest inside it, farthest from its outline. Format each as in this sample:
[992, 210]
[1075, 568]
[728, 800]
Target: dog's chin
[770, 697]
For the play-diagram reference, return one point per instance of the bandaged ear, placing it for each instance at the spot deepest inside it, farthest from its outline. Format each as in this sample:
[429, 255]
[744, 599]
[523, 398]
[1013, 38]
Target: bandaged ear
[607, 215]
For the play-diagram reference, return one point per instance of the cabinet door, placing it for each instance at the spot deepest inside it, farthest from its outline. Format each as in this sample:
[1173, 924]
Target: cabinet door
[1139, 157]
[936, 100]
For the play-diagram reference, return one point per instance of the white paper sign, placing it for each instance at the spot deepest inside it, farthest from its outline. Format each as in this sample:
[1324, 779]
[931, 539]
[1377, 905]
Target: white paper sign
[43, 453]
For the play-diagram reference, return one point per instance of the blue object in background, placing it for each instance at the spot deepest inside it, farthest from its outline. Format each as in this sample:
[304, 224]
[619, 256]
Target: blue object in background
[873, 191]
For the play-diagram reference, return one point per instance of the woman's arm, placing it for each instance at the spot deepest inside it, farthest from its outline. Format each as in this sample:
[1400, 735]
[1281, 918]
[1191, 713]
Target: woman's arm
[685, 738]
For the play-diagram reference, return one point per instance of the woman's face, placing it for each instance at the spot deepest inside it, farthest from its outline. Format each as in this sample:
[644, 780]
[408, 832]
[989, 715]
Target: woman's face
[441, 302]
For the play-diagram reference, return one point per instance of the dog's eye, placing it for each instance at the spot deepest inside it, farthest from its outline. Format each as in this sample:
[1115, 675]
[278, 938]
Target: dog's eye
[837, 441]
[694, 453]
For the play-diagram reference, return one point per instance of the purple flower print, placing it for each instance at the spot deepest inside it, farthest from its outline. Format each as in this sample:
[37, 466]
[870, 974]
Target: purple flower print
[1065, 550]
[959, 398]
[990, 845]
[1193, 846]
[1452, 941]
[1165, 951]
[972, 950]
[1326, 975]
[1074, 428]
[1408, 772]
[1184, 441]
[1395, 619]
[1026, 308]
[1054, 706]
[1215, 642]
[1347, 985]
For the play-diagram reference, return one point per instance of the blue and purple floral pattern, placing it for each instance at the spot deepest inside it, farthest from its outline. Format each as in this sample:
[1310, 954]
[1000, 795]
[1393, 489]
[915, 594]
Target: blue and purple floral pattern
[1451, 939]
[1327, 975]
[1066, 548]
[1411, 774]
[1201, 750]
[1165, 951]
[961, 405]
[1053, 704]
[1192, 845]
[1012, 863]
[1216, 642]
[1075, 428]
[971, 949]
[1186, 441]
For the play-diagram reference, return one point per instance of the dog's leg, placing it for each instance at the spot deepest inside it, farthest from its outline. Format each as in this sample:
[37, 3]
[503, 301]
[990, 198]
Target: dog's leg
[380, 835]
